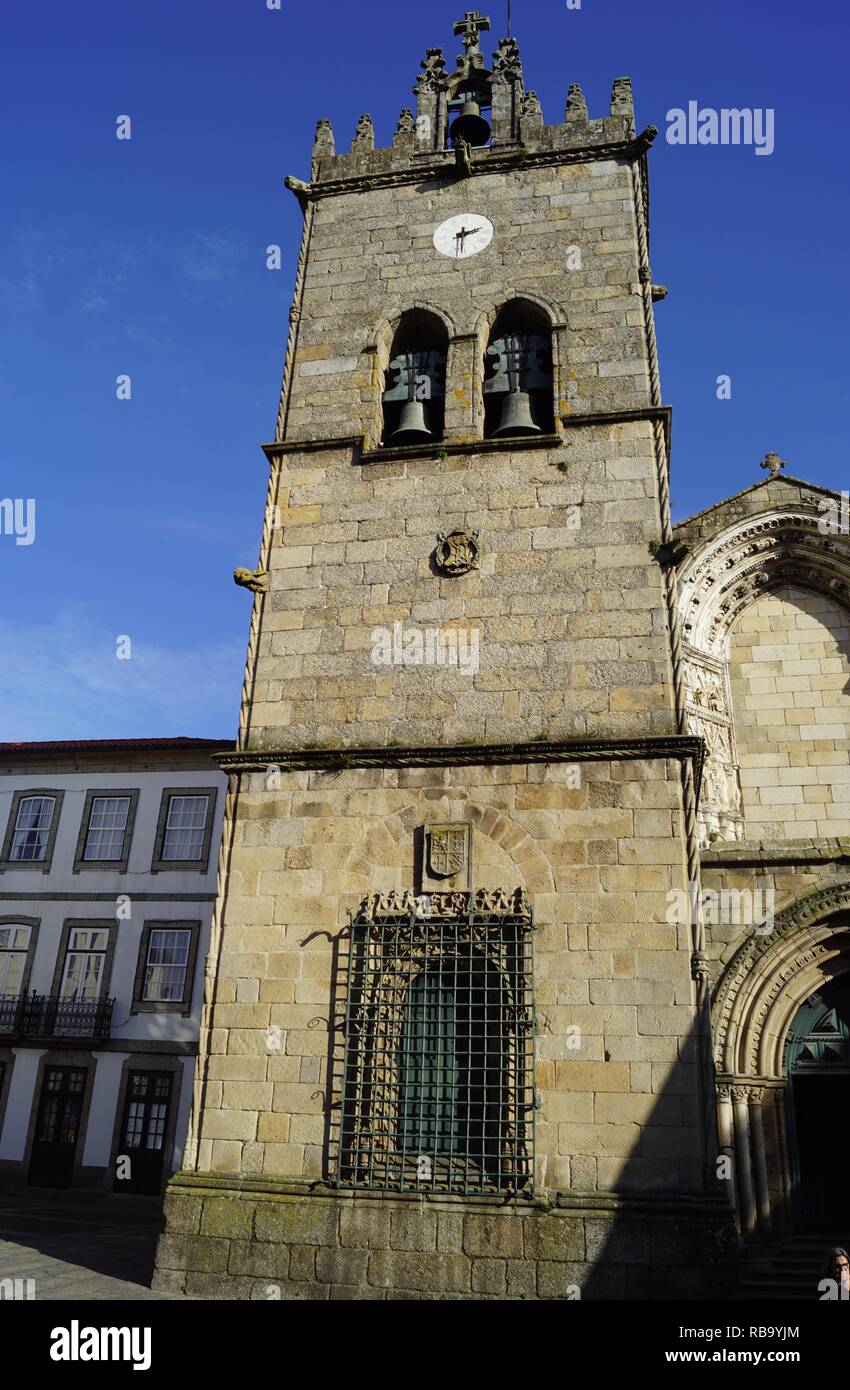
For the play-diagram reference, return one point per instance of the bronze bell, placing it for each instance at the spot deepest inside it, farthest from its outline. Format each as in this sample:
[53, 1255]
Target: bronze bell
[412, 424]
[470, 125]
[516, 415]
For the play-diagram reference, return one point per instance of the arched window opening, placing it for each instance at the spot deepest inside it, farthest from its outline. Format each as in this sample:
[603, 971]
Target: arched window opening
[518, 373]
[414, 399]
[437, 1073]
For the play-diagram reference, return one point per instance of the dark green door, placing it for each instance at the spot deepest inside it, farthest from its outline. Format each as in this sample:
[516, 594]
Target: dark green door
[57, 1127]
[144, 1130]
[432, 1099]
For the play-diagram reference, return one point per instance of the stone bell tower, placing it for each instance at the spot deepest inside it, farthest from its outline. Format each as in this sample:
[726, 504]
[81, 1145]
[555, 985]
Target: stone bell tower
[455, 1036]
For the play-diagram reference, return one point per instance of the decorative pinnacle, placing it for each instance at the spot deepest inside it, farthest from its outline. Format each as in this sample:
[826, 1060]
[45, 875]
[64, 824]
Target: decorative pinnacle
[774, 463]
[470, 27]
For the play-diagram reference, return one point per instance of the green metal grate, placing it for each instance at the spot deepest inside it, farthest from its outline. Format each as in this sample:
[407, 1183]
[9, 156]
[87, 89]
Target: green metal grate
[438, 1065]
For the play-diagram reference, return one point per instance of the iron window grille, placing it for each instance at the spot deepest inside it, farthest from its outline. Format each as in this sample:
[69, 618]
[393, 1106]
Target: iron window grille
[438, 1068]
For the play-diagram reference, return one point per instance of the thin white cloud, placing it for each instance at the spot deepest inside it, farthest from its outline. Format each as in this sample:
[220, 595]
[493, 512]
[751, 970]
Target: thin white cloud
[209, 256]
[64, 680]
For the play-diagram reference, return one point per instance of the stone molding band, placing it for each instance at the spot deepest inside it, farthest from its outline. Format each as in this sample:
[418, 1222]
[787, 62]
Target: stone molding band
[684, 747]
[497, 161]
[652, 414]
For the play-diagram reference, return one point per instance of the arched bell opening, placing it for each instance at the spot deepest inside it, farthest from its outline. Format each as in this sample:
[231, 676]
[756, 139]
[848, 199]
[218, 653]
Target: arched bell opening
[414, 398]
[518, 373]
[469, 110]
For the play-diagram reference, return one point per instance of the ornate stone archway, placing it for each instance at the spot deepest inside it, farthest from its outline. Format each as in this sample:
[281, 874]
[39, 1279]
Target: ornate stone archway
[723, 577]
[764, 984]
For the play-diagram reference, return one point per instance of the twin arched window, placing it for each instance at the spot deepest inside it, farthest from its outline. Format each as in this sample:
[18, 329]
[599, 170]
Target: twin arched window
[517, 376]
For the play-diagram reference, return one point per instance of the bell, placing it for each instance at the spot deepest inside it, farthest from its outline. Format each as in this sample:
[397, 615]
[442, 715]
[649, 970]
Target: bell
[412, 425]
[470, 125]
[516, 415]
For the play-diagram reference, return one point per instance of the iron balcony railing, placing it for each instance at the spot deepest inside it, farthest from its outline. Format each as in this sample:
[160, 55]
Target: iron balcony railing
[48, 1016]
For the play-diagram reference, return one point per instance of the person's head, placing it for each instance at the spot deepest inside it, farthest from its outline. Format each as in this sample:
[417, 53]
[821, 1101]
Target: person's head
[838, 1262]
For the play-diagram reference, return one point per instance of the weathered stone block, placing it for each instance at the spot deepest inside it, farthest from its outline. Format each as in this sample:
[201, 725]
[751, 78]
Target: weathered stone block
[402, 1269]
[413, 1230]
[182, 1214]
[227, 1216]
[553, 1236]
[197, 1253]
[450, 1233]
[521, 1278]
[341, 1266]
[259, 1260]
[493, 1235]
[560, 1280]
[296, 1222]
[488, 1276]
[365, 1226]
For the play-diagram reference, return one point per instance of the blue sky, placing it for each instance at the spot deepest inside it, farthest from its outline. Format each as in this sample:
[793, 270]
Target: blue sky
[147, 257]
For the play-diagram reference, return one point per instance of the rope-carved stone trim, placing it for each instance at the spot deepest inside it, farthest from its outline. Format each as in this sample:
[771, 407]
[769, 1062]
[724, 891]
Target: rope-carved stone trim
[682, 746]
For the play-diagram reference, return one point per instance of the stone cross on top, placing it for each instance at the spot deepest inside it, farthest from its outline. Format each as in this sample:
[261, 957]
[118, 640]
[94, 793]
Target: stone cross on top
[773, 462]
[470, 27]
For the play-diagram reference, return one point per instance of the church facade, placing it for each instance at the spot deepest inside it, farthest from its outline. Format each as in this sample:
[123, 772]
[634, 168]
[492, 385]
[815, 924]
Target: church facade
[507, 738]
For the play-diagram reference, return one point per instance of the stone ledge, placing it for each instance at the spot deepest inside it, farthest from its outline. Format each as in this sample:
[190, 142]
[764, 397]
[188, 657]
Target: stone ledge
[239, 1238]
[741, 853]
[681, 746]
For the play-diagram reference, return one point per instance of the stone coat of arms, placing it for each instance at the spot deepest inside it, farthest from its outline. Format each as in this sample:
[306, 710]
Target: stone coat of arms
[447, 850]
[457, 552]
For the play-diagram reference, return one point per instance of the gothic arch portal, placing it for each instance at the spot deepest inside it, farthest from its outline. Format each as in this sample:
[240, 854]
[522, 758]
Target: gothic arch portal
[779, 548]
[760, 994]
[770, 976]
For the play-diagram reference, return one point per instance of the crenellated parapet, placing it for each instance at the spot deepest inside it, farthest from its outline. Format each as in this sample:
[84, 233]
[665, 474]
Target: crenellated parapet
[423, 142]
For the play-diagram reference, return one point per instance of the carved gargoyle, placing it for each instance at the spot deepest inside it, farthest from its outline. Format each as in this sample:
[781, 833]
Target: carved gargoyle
[463, 158]
[671, 553]
[255, 580]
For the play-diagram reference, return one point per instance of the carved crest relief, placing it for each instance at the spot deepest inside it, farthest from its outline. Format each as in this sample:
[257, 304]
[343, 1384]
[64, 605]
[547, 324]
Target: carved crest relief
[447, 849]
[457, 553]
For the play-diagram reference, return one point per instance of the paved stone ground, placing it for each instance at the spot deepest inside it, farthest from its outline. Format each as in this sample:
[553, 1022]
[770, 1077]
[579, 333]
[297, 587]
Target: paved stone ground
[80, 1245]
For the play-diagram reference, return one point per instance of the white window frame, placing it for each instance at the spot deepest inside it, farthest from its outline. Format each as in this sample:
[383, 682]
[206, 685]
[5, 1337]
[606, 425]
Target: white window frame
[24, 830]
[116, 829]
[11, 948]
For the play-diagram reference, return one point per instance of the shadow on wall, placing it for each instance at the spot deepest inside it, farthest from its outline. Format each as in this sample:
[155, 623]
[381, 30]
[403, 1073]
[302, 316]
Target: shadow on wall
[646, 1216]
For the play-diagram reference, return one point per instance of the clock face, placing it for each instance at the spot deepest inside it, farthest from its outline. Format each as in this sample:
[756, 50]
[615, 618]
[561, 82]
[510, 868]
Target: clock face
[464, 235]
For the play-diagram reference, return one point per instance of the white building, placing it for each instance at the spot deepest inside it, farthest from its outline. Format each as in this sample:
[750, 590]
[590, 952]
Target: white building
[108, 857]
